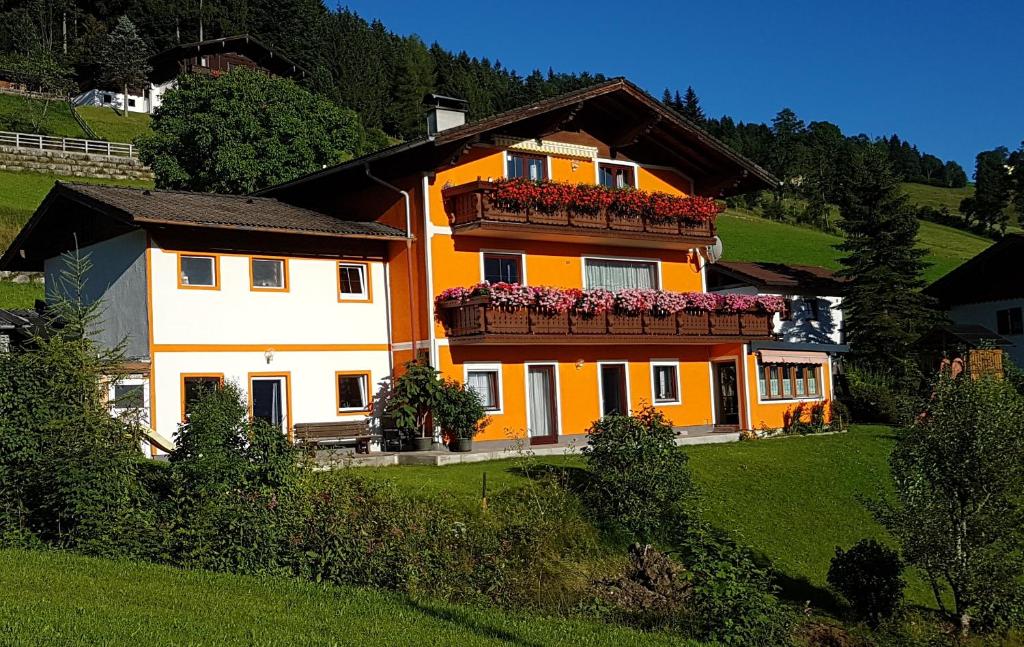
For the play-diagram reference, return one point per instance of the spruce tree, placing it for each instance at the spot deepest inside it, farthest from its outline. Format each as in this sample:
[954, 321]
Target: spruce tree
[883, 307]
[991, 190]
[124, 61]
[691, 107]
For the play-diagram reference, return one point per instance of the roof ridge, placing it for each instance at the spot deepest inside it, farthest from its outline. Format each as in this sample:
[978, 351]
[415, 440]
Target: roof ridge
[205, 194]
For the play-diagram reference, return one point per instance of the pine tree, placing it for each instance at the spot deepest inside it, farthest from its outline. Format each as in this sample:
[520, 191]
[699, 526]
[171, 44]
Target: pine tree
[991, 190]
[883, 308]
[666, 98]
[1016, 164]
[124, 61]
[691, 107]
[786, 150]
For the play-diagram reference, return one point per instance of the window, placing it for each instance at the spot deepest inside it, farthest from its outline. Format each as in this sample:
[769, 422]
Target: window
[485, 379]
[506, 268]
[193, 386]
[615, 176]
[269, 274]
[197, 271]
[107, 98]
[131, 103]
[353, 392]
[1010, 321]
[128, 396]
[204, 62]
[352, 282]
[665, 382]
[613, 274]
[788, 381]
[531, 167]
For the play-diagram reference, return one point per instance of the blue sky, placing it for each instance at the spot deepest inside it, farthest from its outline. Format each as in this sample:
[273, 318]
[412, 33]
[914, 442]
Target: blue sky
[948, 76]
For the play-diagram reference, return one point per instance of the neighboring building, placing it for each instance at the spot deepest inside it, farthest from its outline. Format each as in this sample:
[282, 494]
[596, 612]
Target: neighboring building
[988, 291]
[214, 57]
[16, 327]
[313, 293]
[814, 312]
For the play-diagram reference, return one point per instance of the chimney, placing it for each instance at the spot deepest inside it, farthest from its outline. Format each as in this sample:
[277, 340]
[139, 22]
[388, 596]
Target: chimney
[444, 112]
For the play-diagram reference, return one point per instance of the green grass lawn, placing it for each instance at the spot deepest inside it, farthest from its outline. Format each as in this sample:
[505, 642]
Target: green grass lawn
[15, 296]
[925, 195]
[111, 126]
[56, 598]
[793, 500]
[20, 113]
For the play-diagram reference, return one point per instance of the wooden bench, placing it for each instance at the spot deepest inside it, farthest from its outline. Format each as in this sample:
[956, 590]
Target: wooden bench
[321, 434]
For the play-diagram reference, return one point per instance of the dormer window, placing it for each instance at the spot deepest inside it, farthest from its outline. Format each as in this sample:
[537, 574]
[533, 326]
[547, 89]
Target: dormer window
[531, 167]
[615, 176]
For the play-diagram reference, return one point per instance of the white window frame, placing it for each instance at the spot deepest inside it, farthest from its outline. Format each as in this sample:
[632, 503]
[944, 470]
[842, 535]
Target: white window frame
[633, 165]
[129, 381]
[558, 394]
[506, 252]
[481, 367]
[214, 261]
[673, 364]
[367, 406]
[364, 269]
[506, 153]
[822, 380]
[269, 288]
[600, 385]
[655, 261]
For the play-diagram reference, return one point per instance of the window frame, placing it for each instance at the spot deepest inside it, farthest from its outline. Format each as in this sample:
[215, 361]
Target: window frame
[286, 376]
[367, 294]
[520, 256]
[656, 262]
[671, 364]
[487, 367]
[788, 376]
[216, 271]
[1010, 329]
[184, 376]
[545, 161]
[129, 381]
[285, 279]
[629, 168]
[352, 411]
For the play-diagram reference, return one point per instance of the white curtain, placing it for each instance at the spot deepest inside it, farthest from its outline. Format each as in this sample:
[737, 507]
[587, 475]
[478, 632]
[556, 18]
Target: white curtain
[362, 391]
[540, 402]
[480, 381]
[620, 275]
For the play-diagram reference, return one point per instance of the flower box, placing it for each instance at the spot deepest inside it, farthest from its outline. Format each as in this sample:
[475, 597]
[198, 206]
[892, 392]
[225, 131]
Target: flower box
[588, 220]
[661, 227]
[556, 217]
[723, 323]
[504, 321]
[623, 324]
[659, 324]
[693, 322]
[494, 212]
[544, 323]
[624, 223]
[581, 324]
[757, 324]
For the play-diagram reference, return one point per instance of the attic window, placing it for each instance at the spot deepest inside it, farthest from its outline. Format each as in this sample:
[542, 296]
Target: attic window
[197, 271]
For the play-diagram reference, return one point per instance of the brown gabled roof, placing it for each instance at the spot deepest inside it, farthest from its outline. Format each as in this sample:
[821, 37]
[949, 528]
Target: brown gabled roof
[640, 125]
[809, 279]
[252, 47]
[74, 209]
[993, 275]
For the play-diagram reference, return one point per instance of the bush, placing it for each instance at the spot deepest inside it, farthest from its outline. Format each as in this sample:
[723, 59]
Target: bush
[877, 397]
[640, 480]
[869, 576]
[459, 412]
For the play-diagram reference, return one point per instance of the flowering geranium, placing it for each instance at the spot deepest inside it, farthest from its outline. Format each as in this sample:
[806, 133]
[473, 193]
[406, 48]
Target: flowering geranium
[591, 199]
[738, 302]
[511, 296]
[706, 301]
[553, 300]
[594, 302]
[453, 294]
[635, 301]
[518, 194]
[771, 303]
[668, 303]
[630, 203]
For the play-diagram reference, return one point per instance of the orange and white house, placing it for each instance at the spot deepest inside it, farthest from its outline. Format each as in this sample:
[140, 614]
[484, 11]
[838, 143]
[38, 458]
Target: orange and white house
[486, 248]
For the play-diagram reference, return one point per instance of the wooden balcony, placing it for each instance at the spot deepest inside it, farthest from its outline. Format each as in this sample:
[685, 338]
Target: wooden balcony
[477, 322]
[471, 212]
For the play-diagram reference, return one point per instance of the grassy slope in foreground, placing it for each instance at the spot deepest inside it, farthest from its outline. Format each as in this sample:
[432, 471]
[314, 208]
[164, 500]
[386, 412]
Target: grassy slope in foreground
[57, 598]
[751, 238]
[111, 126]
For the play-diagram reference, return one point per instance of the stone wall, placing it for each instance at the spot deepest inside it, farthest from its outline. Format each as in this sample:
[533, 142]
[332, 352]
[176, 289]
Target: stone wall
[73, 164]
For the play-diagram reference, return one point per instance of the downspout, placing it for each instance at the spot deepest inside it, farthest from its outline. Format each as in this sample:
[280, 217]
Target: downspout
[408, 248]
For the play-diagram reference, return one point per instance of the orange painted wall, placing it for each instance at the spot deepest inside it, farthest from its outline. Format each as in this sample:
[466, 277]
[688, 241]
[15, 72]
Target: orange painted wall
[667, 180]
[578, 386]
[773, 415]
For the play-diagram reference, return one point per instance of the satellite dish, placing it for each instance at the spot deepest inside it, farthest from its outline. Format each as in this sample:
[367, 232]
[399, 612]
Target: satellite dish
[714, 250]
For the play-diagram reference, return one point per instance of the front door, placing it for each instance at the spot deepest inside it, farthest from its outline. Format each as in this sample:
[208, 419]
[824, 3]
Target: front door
[541, 404]
[614, 400]
[269, 402]
[727, 404]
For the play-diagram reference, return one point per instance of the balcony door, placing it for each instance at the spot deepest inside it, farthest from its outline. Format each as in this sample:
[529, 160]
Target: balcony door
[268, 400]
[614, 391]
[727, 400]
[541, 404]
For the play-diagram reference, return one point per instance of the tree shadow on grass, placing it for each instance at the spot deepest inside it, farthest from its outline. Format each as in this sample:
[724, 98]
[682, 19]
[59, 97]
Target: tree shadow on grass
[470, 622]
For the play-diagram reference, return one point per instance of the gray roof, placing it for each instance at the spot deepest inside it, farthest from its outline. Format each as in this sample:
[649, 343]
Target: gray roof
[15, 319]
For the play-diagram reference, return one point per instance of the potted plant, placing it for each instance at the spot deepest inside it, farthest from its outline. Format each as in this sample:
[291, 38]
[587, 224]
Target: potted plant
[460, 414]
[413, 397]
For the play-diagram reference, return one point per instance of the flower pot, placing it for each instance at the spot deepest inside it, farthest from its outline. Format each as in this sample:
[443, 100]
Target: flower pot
[623, 324]
[693, 322]
[503, 321]
[725, 323]
[659, 325]
[581, 324]
[460, 445]
[422, 443]
[544, 323]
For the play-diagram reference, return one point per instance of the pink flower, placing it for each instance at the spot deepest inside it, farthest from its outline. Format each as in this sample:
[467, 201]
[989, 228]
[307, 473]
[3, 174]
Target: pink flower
[594, 302]
[738, 302]
[553, 300]
[771, 303]
[704, 301]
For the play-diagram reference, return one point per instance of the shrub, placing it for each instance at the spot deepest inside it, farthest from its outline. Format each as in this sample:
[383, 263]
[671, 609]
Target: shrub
[877, 397]
[869, 576]
[640, 478]
[415, 393]
[459, 411]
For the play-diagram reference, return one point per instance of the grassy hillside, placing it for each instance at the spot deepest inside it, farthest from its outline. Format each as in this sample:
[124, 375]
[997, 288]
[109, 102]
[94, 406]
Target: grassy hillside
[18, 113]
[748, 237]
[55, 598]
[111, 126]
[925, 195]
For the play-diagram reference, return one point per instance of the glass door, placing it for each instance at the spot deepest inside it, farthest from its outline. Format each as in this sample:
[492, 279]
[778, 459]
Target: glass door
[727, 394]
[269, 402]
[614, 400]
[541, 404]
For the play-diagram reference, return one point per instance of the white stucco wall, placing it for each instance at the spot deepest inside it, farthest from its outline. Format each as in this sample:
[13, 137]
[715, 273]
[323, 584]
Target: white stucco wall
[984, 314]
[801, 326]
[117, 280]
[96, 98]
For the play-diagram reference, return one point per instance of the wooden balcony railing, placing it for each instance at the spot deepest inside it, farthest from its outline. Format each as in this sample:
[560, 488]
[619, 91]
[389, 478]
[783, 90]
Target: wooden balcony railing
[476, 321]
[470, 208]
